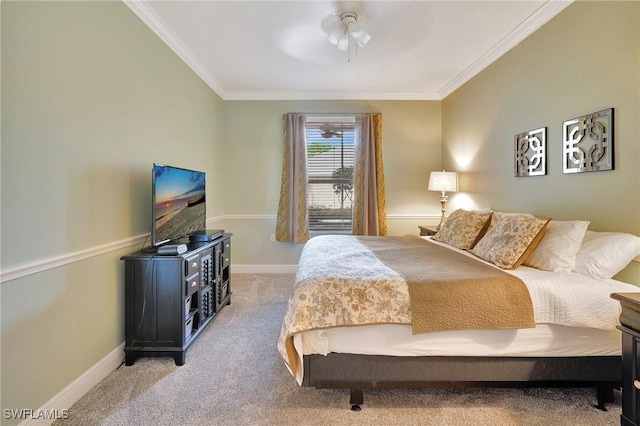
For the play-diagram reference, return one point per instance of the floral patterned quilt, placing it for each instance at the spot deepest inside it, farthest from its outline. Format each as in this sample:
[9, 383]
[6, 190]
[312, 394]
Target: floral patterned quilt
[361, 290]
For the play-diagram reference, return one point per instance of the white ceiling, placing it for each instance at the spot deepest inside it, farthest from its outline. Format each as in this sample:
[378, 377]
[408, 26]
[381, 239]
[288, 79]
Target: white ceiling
[263, 50]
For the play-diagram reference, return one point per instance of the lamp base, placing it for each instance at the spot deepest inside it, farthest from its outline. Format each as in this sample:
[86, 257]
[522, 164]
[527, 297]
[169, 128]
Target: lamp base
[443, 203]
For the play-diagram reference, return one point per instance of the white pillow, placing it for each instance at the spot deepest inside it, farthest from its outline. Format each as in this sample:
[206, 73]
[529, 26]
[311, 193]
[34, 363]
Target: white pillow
[604, 254]
[557, 250]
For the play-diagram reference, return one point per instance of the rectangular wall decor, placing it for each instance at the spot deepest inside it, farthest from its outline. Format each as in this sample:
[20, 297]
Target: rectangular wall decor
[530, 152]
[587, 143]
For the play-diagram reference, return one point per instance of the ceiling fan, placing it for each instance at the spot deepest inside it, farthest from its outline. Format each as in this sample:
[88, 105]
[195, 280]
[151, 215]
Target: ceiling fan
[328, 131]
[345, 27]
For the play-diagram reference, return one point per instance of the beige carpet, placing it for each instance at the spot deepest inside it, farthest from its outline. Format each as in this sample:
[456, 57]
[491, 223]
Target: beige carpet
[233, 376]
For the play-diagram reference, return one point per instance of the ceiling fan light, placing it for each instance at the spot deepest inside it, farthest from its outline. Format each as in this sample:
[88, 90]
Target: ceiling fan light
[343, 43]
[355, 29]
[335, 35]
[343, 29]
[363, 39]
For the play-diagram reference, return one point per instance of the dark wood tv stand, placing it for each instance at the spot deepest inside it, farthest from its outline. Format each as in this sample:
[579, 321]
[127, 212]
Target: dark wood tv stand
[170, 299]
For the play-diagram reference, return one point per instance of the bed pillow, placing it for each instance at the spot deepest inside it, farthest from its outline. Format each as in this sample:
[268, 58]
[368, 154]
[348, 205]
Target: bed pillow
[510, 241]
[557, 249]
[463, 228]
[499, 215]
[604, 254]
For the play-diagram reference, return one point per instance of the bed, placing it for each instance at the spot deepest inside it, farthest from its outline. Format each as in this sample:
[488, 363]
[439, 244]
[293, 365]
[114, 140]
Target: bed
[351, 319]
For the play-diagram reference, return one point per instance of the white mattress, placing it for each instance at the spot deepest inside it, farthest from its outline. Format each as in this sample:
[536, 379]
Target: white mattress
[545, 340]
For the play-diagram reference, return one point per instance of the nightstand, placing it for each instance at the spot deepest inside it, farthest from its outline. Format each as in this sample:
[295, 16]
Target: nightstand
[427, 230]
[630, 327]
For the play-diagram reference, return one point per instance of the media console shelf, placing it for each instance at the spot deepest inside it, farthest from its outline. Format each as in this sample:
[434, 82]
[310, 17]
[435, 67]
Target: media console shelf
[170, 299]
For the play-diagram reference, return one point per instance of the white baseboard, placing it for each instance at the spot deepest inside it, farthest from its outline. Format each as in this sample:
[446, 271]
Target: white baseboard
[263, 269]
[79, 387]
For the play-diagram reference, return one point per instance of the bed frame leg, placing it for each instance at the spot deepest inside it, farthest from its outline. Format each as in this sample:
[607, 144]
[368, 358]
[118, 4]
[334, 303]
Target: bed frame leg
[356, 399]
[604, 394]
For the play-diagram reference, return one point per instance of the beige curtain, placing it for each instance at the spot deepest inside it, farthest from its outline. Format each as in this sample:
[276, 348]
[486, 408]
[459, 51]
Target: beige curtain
[369, 205]
[293, 219]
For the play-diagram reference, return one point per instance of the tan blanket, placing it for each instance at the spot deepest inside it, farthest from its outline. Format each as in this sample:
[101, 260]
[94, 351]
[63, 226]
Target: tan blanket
[451, 291]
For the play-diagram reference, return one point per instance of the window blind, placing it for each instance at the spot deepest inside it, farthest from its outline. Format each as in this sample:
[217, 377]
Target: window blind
[330, 162]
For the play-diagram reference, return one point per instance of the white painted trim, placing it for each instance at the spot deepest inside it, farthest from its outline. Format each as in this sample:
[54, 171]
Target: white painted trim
[317, 96]
[412, 216]
[53, 262]
[214, 219]
[158, 26]
[79, 387]
[40, 265]
[531, 24]
[274, 217]
[251, 217]
[263, 269]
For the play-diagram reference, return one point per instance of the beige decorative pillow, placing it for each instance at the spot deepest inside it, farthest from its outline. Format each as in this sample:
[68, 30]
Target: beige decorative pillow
[463, 228]
[499, 215]
[511, 240]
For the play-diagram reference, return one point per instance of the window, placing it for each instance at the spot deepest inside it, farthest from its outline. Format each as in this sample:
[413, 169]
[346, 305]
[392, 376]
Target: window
[330, 183]
[330, 162]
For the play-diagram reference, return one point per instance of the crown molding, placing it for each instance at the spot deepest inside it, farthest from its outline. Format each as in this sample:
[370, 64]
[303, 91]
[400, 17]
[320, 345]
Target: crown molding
[540, 17]
[531, 24]
[317, 96]
[158, 26]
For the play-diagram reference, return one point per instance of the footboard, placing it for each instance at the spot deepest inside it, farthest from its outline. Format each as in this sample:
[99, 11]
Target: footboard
[360, 372]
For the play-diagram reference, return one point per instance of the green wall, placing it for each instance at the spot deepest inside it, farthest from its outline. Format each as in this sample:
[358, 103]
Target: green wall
[584, 60]
[91, 97]
[411, 148]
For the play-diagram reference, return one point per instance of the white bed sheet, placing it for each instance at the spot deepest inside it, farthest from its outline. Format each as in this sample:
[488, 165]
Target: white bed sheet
[567, 298]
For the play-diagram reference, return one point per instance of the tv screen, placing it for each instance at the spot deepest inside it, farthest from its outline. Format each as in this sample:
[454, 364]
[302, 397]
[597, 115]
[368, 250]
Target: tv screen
[179, 207]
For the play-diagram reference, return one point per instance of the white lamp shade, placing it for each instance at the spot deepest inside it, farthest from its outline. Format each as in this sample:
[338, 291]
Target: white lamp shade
[443, 181]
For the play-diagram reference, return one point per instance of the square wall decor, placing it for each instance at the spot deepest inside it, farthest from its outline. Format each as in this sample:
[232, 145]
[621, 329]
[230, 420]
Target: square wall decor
[587, 143]
[530, 153]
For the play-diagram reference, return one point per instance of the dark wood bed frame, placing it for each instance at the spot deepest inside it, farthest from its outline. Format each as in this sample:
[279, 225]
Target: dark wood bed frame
[361, 372]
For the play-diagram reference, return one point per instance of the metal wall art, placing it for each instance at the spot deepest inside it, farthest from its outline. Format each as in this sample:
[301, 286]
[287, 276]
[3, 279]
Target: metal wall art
[587, 143]
[530, 153]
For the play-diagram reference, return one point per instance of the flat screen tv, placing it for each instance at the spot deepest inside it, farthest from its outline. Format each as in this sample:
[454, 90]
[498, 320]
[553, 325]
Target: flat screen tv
[179, 207]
